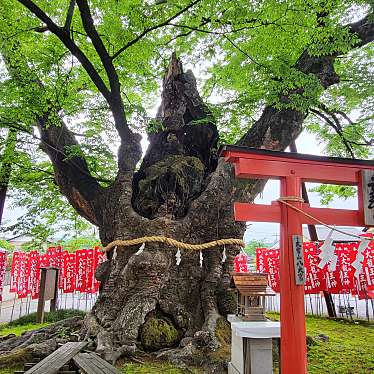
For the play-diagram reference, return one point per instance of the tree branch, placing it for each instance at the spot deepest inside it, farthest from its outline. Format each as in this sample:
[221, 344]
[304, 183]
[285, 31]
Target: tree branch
[155, 27]
[69, 15]
[130, 149]
[18, 127]
[245, 53]
[364, 29]
[63, 35]
[71, 173]
[116, 103]
[323, 66]
[98, 44]
[6, 167]
[336, 127]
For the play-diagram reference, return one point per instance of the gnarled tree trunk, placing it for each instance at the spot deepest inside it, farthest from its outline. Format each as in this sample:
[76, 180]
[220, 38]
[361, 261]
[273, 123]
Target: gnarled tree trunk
[183, 191]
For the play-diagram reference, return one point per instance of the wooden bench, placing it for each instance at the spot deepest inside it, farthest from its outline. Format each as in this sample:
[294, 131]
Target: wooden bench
[56, 360]
[91, 363]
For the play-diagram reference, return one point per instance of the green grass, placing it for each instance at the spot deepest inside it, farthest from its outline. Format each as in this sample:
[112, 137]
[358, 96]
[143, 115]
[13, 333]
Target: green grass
[10, 371]
[28, 323]
[18, 330]
[349, 349]
[154, 368]
[48, 317]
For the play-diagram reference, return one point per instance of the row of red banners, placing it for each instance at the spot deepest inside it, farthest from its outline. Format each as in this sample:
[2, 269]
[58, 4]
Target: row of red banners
[76, 270]
[341, 280]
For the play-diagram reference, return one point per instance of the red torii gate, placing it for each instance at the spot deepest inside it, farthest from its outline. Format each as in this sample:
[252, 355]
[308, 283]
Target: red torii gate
[292, 169]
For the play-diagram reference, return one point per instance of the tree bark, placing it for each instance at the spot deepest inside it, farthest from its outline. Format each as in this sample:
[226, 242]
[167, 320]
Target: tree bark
[6, 167]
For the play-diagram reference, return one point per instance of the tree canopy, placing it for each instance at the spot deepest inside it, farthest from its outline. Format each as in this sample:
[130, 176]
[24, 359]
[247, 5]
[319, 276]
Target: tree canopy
[93, 69]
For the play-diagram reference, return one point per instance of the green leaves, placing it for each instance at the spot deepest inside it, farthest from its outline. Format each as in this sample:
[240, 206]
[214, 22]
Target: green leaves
[329, 192]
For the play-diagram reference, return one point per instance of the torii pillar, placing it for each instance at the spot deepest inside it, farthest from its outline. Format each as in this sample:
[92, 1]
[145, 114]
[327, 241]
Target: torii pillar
[293, 169]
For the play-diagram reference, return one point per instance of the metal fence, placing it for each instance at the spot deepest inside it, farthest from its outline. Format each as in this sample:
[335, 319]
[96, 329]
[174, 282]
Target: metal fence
[346, 306]
[12, 307]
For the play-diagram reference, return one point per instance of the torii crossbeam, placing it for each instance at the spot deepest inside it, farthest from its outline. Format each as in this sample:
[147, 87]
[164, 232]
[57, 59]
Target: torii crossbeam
[292, 169]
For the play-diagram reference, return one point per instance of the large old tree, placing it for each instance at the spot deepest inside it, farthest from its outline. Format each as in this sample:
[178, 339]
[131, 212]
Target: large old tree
[80, 72]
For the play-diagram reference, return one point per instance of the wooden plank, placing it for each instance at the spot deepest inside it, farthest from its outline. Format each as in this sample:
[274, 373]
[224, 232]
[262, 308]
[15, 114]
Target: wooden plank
[103, 365]
[56, 360]
[91, 363]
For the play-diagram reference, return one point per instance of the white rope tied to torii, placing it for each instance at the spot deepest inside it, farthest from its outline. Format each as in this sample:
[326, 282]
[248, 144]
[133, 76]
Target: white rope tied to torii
[284, 200]
[327, 254]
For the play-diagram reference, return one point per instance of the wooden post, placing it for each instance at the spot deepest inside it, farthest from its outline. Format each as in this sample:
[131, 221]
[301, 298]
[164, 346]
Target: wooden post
[41, 300]
[367, 185]
[53, 303]
[293, 332]
[47, 291]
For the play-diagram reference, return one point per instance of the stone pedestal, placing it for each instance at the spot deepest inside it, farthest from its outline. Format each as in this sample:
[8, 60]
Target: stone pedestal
[251, 346]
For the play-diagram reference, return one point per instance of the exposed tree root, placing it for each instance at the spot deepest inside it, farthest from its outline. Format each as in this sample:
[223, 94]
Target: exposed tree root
[38, 343]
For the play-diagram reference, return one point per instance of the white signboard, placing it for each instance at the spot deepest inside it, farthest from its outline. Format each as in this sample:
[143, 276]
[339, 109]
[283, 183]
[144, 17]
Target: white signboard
[298, 259]
[368, 196]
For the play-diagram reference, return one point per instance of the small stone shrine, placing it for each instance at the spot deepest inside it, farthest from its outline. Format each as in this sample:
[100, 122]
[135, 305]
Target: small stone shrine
[251, 332]
[252, 289]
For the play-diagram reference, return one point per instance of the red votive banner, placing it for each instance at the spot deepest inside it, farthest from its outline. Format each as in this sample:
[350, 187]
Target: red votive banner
[314, 280]
[3, 263]
[267, 261]
[76, 273]
[34, 273]
[68, 272]
[338, 280]
[240, 263]
[99, 257]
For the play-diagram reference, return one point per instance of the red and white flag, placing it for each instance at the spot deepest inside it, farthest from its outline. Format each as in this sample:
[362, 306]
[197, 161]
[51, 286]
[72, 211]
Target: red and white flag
[14, 273]
[34, 273]
[68, 272]
[99, 257]
[80, 270]
[90, 259]
[3, 263]
[24, 273]
[240, 263]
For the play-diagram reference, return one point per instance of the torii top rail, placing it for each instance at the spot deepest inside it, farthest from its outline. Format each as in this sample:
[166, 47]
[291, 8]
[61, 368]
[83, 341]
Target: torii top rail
[263, 164]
